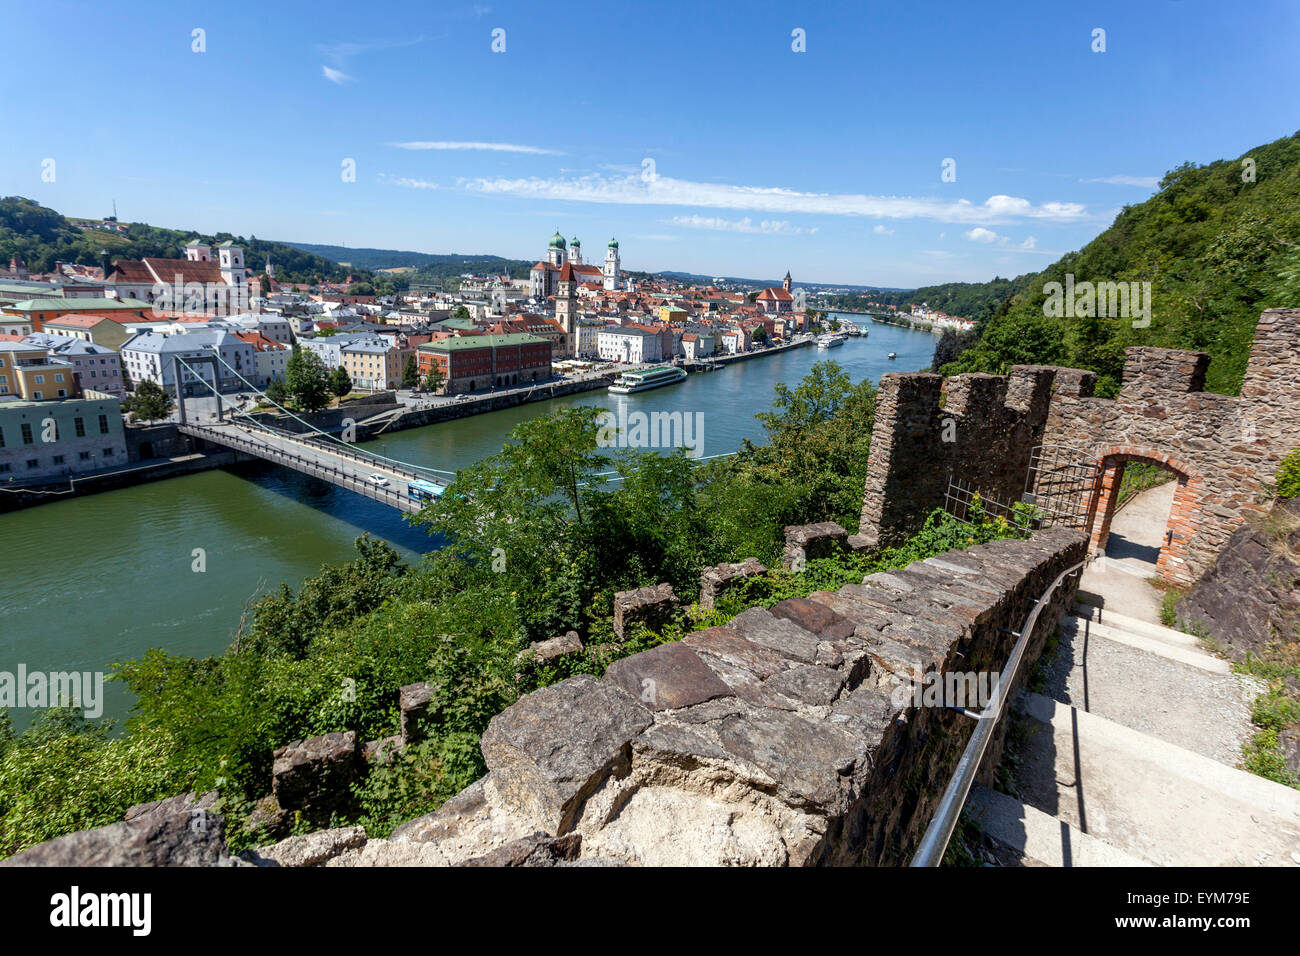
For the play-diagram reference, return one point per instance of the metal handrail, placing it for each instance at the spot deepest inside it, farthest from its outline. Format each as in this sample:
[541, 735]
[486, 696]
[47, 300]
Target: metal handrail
[939, 832]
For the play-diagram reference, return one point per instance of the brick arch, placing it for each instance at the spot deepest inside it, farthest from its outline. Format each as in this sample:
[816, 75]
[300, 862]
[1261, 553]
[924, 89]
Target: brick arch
[1172, 564]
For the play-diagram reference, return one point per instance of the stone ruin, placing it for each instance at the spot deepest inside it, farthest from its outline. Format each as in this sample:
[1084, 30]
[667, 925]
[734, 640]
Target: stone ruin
[981, 431]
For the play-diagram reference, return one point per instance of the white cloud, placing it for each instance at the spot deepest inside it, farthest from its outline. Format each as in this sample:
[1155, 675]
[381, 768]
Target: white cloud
[335, 76]
[488, 147]
[882, 231]
[406, 182]
[1148, 182]
[980, 234]
[768, 227]
[663, 190]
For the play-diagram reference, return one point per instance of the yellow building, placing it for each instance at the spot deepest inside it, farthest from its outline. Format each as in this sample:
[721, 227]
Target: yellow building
[28, 372]
[668, 314]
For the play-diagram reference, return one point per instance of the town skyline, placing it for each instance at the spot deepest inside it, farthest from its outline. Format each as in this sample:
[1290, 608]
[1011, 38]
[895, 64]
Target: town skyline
[971, 153]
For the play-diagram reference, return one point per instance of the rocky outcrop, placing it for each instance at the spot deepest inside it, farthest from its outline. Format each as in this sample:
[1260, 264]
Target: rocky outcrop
[314, 775]
[717, 580]
[805, 542]
[178, 831]
[1251, 595]
[413, 700]
[652, 606]
[310, 849]
[548, 650]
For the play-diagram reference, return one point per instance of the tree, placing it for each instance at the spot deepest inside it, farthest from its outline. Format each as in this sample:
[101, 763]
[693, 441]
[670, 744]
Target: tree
[148, 403]
[410, 373]
[460, 313]
[276, 392]
[433, 381]
[760, 333]
[306, 380]
[340, 382]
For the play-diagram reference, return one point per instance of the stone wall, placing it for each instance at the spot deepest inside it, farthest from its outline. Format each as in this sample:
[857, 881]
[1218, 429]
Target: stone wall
[975, 429]
[1224, 450]
[785, 737]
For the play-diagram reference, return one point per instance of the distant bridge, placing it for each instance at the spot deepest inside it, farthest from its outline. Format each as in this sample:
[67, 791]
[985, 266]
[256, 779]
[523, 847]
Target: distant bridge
[346, 467]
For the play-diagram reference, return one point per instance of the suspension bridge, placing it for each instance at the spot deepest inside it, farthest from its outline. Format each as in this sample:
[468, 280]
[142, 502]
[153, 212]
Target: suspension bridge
[398, 484]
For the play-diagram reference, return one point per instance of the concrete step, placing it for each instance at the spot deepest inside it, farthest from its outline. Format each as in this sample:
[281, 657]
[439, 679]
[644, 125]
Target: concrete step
[1036, 838]
[1150, 798]
[1133, 625]
[1182, 653]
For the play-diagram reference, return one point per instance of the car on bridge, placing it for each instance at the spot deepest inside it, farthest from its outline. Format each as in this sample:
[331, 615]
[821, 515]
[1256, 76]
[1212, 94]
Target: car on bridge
[377, 479]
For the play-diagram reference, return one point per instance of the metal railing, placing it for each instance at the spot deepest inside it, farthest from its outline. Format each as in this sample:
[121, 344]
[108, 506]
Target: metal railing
[939, 832]
[308, 466]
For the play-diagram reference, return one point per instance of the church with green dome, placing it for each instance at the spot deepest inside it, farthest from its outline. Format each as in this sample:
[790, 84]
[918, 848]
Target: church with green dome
[544, 275]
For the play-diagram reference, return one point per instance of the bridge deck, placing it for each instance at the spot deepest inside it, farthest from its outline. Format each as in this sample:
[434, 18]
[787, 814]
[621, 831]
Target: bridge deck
[346, 467]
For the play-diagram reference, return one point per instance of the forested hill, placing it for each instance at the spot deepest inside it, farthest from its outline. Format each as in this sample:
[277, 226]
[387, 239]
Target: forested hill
[42, 237]
[971, 300]
[1218, 244]
[428, 264]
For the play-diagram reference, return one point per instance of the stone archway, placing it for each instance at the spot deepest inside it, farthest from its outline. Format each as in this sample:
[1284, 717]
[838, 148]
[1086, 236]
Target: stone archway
[1172, 564]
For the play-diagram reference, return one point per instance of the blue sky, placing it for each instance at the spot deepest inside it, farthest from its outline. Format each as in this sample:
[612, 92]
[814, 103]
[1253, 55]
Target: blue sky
[827, 162]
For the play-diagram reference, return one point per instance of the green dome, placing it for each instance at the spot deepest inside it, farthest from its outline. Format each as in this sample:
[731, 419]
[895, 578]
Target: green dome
[575, 241]
[557, 242]
[613, 243]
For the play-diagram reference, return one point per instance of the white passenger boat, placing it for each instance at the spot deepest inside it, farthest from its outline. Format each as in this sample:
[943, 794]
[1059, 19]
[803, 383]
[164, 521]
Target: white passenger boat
[645, 379]
[831, 340]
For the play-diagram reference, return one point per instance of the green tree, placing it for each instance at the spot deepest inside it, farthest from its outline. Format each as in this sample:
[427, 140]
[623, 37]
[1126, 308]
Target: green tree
[433, 381]
[410, 373]
[307, 380]
[148, 403]
[340, 382]
[460, 313]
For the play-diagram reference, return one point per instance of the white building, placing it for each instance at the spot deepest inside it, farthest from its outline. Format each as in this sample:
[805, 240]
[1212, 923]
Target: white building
[150, 355]
[617, 344]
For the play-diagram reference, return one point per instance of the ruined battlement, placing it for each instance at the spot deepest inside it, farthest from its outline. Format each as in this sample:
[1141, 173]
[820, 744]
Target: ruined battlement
[975, 429]
[1224, 449]
[1169, 371]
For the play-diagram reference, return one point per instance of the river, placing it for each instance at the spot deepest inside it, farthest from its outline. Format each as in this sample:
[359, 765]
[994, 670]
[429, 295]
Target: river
[89, 582]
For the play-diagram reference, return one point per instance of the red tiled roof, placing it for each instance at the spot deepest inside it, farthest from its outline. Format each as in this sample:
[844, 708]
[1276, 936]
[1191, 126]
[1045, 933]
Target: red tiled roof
[83, 321]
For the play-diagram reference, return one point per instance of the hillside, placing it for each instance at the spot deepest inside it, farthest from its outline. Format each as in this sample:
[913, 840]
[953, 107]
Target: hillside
[1217, 249]
[425, 264]
[972, 300]
[43, 237]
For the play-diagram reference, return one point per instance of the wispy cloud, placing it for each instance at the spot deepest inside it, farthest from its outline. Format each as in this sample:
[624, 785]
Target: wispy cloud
[406, 182]
[1147, 182]
[666, 191]
[768, 227]
[883, 231]
[487, 147]
[980, 234]
[340, 53]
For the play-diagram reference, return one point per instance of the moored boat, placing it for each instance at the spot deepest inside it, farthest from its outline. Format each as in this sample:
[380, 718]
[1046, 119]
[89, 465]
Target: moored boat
[644, 379]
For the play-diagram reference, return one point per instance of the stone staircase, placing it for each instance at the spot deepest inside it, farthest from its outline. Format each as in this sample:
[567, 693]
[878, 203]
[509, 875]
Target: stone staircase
[1128, 757]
